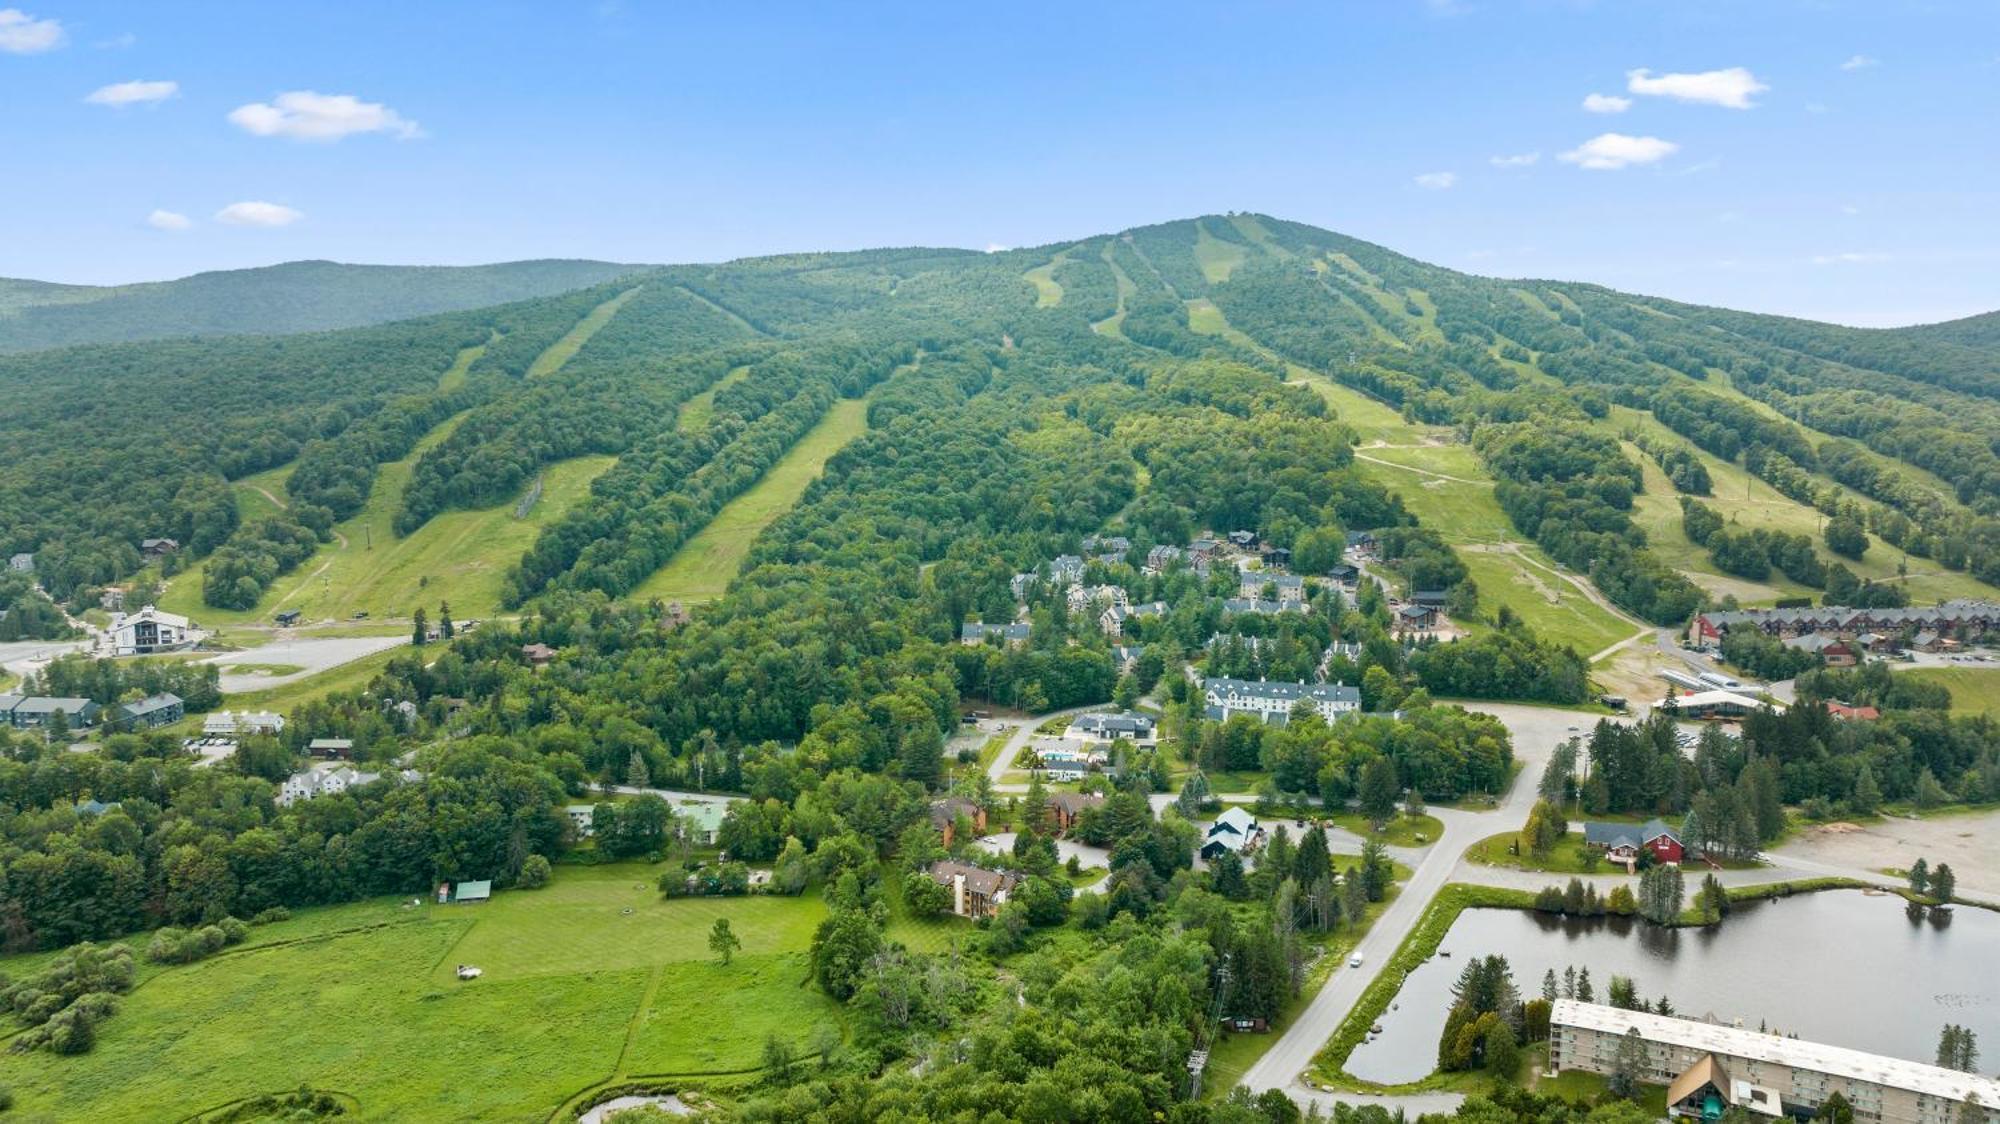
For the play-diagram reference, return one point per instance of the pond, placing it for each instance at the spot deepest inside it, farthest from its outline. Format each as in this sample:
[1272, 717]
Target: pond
[1845, 967]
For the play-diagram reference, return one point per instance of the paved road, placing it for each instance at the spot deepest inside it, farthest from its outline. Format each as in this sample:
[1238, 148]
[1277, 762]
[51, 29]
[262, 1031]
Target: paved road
[23, 657]
[1537, 731]
[313, 654]
[1024, 730]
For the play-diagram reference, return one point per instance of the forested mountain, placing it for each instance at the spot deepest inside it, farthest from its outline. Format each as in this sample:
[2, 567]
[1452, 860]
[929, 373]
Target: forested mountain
[1982, 330]
[301, 296]
[1894, 432]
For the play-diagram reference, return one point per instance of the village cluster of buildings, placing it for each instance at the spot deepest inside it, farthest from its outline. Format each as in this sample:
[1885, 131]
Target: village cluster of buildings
[1710, 1067]
[33, 712]
[1925, 628]
[1274, 701]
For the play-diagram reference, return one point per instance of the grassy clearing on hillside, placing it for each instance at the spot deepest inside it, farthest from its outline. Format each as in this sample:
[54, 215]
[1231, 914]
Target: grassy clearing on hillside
[1114, 325]
[560, 352]
[709, 561]
[328, 998]
[459, 556]
[1217, 258]
[1048, 293]
[454, 375]
[698, 411]
[1974, 690]
[1449, 490]
[1749, 502]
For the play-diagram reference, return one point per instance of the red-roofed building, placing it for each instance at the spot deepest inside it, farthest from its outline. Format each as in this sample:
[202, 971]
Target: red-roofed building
[1852, 713]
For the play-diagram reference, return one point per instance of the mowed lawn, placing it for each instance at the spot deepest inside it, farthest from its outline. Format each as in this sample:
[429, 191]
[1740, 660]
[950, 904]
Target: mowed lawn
[1974, 690]
[706, 564]
[459, 556]
[361, 999]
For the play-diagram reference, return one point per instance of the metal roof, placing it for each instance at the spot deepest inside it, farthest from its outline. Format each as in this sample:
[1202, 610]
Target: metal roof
[1837, 1061]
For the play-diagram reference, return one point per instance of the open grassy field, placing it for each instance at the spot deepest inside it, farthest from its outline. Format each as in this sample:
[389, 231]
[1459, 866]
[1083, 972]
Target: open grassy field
[1749, 502]
[1048, 293]
[1217, 258]
[708, 562]
[454, 375]
[696, 412]
[1974, 690]
[1448, 490]
[558, 353]
[1114, 325]
[361, 999]
[458, 556]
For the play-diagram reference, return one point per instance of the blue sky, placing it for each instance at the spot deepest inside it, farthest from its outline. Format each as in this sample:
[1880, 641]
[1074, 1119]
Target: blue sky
[1828, 159]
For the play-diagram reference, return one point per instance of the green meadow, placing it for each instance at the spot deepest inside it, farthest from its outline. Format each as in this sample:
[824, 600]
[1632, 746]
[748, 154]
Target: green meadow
[589, 980]
[706, 564]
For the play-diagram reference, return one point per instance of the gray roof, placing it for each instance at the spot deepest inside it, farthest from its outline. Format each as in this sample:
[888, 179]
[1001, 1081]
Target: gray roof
[976, 631]
[165, 700]
[1608, 835]
[1845, 617]
[35, 704]
[1257, 605]
[1113, 725]
[8, 703]
[1290, 692]
[472, 891]
[978, 879]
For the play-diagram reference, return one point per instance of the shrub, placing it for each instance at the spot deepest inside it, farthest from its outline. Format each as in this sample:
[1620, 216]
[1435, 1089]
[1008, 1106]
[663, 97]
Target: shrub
[534, 873]
[275, 913]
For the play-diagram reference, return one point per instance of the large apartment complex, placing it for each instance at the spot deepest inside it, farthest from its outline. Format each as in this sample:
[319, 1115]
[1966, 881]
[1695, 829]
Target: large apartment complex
[1710, 1067]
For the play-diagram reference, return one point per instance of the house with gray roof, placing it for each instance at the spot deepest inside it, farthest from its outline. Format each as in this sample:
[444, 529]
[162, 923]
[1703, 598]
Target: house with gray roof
[973, 633]
[163, 709]
[975, 891]
[34, 712]
[1108, 726]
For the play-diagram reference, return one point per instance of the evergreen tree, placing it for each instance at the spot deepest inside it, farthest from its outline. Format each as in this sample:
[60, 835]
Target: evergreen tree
[419, 628]
[1944, 884]
[1920, 876]
[445, 628]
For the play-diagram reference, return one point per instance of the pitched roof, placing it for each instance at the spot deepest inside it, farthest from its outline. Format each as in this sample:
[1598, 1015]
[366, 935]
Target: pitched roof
[1835, 1061]
[1707, 1071]
[978, 879]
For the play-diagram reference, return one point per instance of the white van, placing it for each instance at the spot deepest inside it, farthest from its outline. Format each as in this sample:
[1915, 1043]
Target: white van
[1354, 961]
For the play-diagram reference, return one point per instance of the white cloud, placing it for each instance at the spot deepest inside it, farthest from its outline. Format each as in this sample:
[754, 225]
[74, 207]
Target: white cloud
[305, 115]
[1516, 160]
[1850, 209]
[1436, 181]
[1849, 258]
[1608, 152]
[23, 34]
[256, 213]
[997, 248]
[1860, 62]
[117, 42]
[132, 93]
[1731, 88]
[1606, 103]
[168, 220]
[1815, 107]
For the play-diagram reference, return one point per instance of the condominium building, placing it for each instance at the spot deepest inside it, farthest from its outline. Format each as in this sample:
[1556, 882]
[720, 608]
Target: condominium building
[1709, 1067]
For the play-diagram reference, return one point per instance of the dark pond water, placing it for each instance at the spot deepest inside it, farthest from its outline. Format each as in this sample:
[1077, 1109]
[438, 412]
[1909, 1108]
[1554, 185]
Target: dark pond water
[1844, 967]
